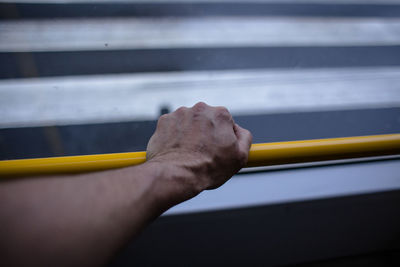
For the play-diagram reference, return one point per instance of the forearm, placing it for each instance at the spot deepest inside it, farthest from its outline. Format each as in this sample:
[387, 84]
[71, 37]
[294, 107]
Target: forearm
[84, 219]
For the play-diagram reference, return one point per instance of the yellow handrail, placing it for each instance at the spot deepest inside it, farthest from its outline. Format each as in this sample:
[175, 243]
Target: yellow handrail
[260, 155]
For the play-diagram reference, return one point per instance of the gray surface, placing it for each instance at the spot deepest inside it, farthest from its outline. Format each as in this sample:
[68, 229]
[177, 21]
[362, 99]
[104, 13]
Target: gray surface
[271, 227]
[174, 32]
[361, 218]
[206, 1]
[28, 142]
[110, 98]
[285, 186]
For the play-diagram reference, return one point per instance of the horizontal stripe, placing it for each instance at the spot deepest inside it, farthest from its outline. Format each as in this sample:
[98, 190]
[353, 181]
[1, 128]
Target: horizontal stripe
[204, 1]
[341, 231]
[77, 100]
[91, 138]
[112, 34]
[16, 65]
[295, 185]
[260, 155]
[82, 10]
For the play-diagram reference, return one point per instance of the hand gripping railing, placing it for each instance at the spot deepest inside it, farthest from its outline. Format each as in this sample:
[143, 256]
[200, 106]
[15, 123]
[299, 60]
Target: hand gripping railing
[260, 155]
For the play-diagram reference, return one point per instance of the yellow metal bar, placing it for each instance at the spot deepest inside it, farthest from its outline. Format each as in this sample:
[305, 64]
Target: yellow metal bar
[260, 155]
[323, 149]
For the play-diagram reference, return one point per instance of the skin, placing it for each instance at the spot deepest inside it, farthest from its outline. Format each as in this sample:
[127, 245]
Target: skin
[83, 220]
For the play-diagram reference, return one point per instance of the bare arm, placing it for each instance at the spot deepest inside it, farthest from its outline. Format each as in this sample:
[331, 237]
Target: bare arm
[84, 219]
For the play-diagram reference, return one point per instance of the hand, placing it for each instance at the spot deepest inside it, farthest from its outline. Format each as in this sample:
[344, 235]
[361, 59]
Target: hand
[84, 219]
[203, 144]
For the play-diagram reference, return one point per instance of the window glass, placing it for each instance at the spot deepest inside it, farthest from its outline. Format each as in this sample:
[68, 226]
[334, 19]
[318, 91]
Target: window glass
[84, 77]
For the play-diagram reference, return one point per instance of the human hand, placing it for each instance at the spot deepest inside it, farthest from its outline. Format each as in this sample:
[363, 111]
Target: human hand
[203, 144]
[191, 150]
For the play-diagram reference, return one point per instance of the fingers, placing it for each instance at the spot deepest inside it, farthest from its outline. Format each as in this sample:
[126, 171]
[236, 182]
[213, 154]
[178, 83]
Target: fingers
[203, 125]
[222, 114]
[244, 138]
[224, 120]
[219, 114]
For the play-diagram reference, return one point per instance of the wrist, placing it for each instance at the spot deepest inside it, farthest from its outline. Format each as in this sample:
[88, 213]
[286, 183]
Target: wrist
[171, 183]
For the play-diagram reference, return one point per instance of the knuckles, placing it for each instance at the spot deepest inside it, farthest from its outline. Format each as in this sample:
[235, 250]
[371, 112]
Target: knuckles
[223, 114]
[200, 106]
[163, 120]
[181, 111]
[167, 118]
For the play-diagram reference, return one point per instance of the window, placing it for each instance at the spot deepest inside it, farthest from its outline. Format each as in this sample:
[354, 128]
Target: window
[84, 77]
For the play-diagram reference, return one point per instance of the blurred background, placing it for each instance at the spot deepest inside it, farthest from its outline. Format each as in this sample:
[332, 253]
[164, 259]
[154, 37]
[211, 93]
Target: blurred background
[84, 77]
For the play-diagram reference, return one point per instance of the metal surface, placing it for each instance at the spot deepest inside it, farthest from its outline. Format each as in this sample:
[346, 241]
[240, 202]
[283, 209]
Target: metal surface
[283, 234]
[298, 184]
[205, 1]
[139, 33]
[260, 155]
[127, 97]
[323, 149]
